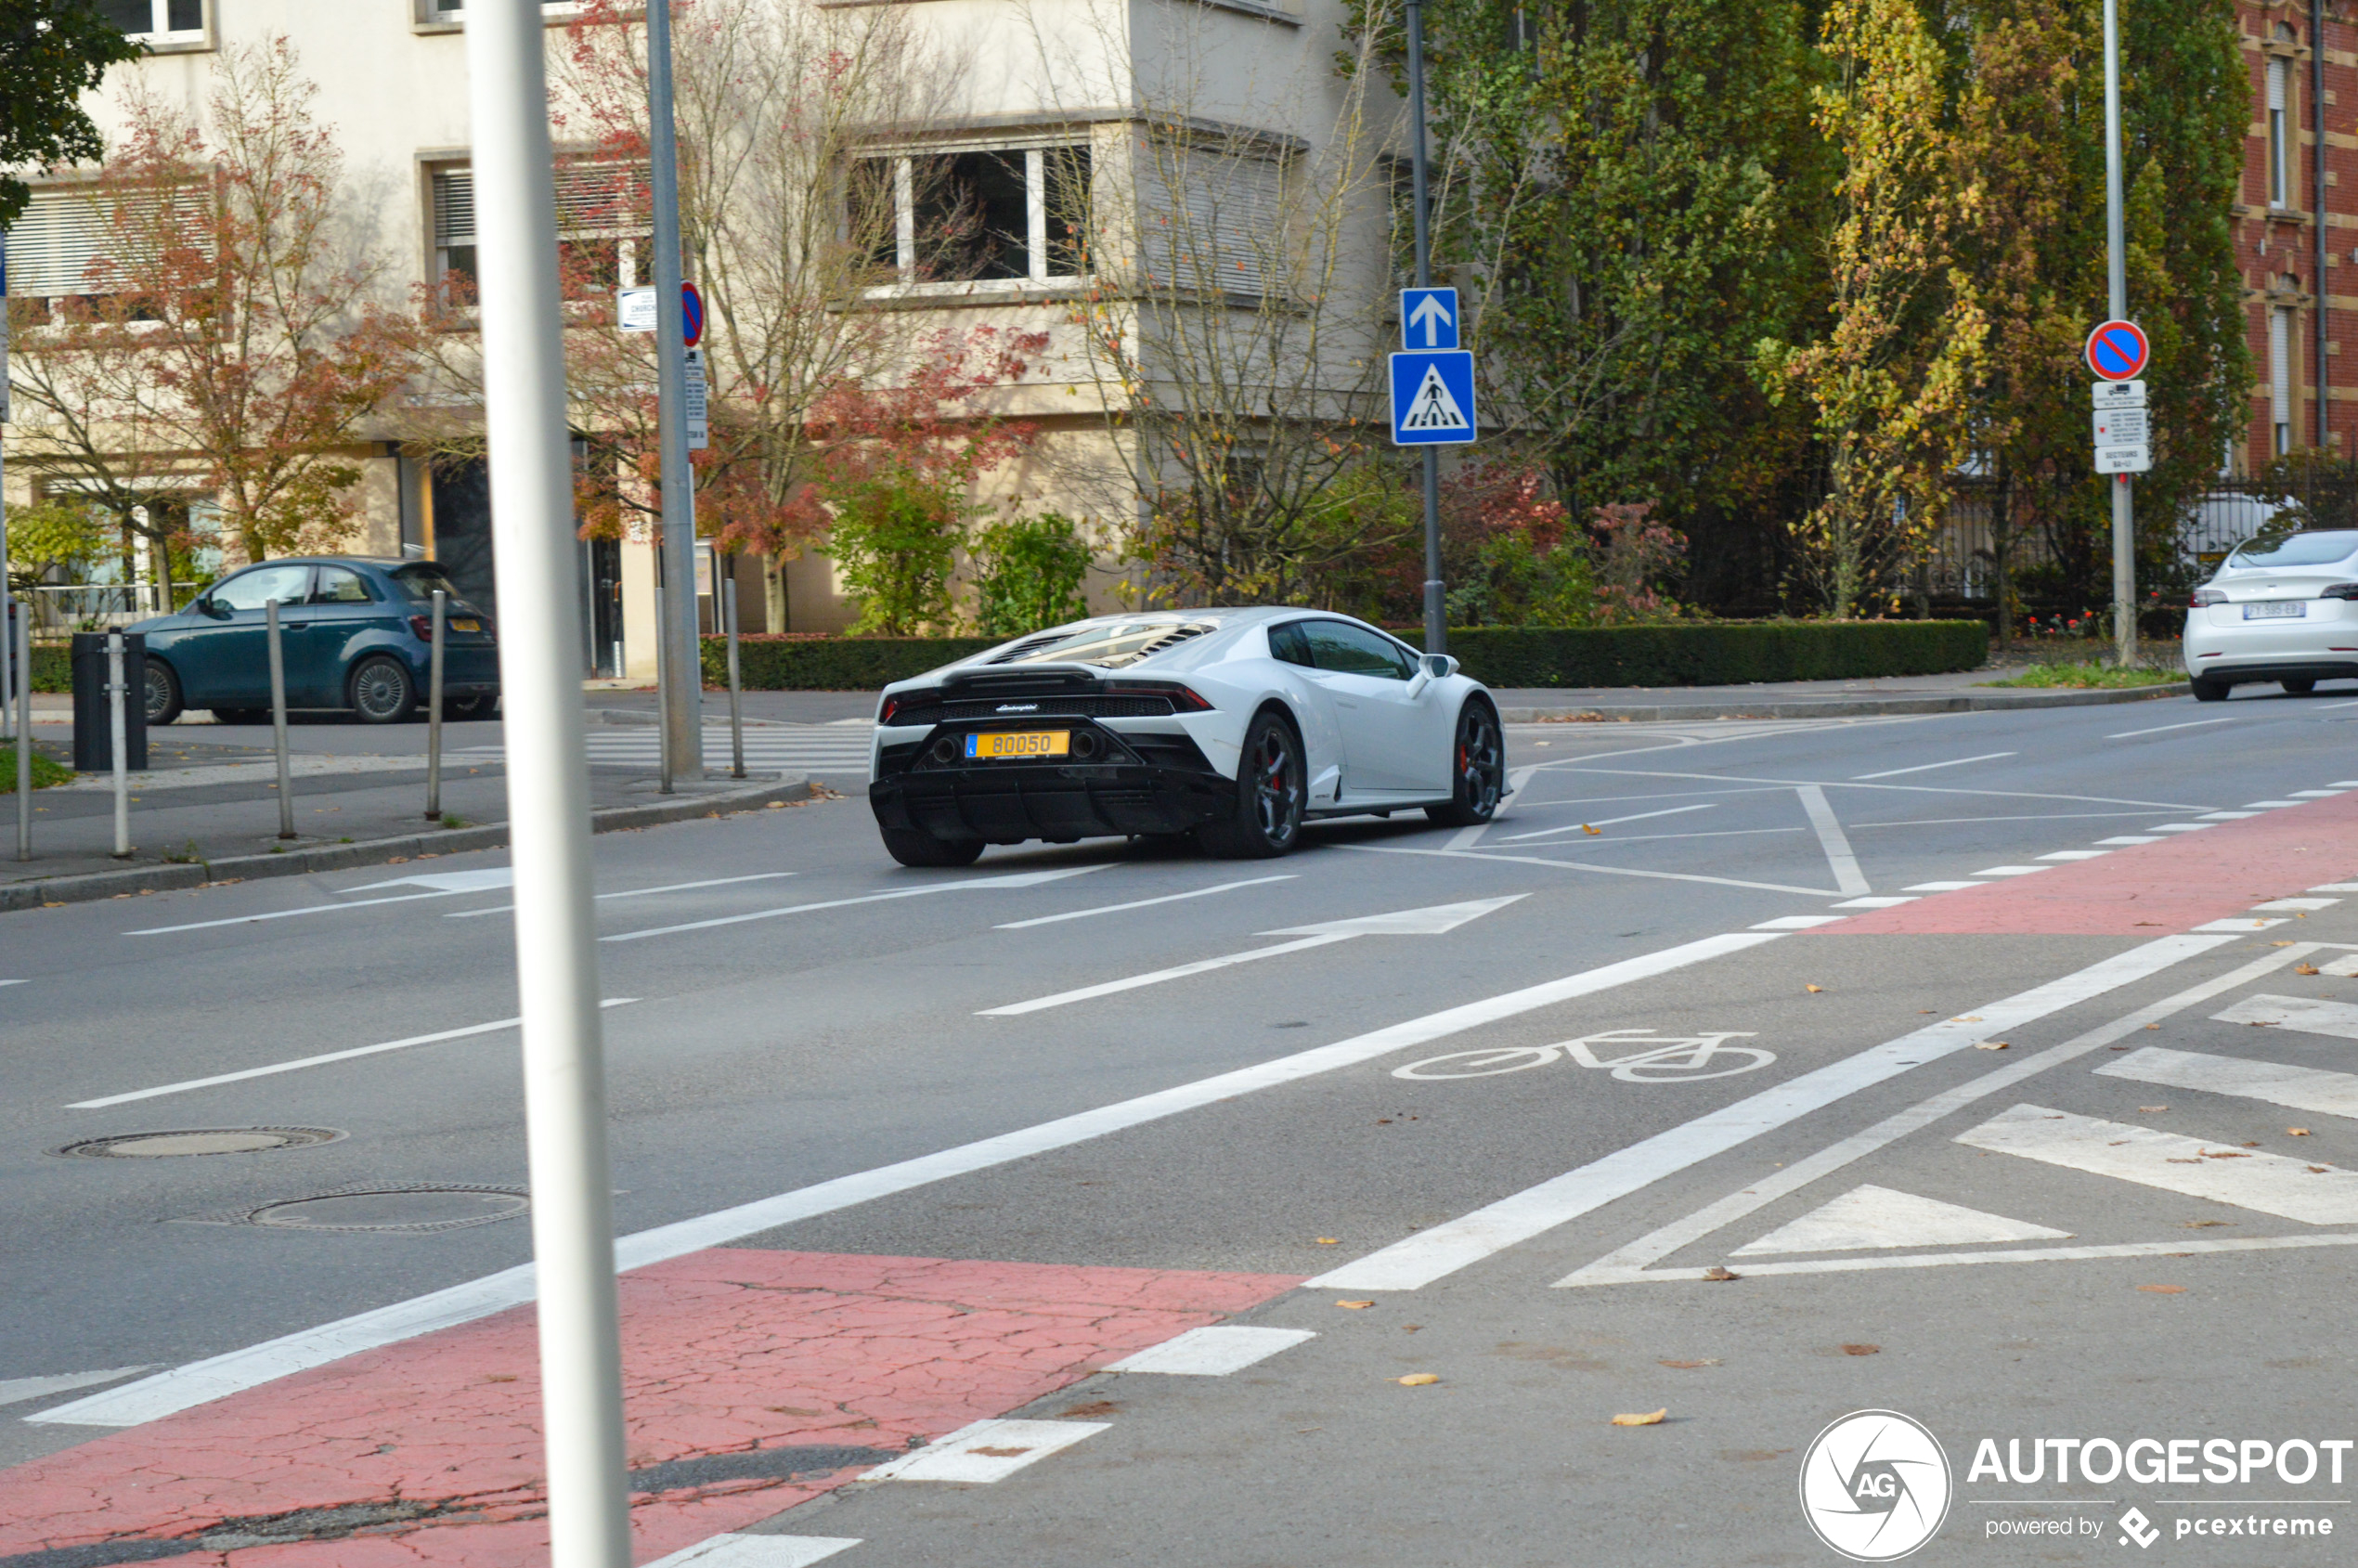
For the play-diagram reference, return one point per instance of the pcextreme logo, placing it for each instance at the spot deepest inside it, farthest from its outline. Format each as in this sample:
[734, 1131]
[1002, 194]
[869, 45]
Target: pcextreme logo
[1875, 1485]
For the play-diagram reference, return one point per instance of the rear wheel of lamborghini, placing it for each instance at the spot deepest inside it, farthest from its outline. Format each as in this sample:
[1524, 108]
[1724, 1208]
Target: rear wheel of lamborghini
[1270, 795]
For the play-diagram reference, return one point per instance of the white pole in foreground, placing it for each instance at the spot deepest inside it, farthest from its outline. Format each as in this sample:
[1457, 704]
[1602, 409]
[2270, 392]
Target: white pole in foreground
[2124, 513]
[547, 785]
[121, 744]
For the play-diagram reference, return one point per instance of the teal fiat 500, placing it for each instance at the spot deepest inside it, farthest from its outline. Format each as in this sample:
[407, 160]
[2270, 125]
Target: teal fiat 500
[357, 635]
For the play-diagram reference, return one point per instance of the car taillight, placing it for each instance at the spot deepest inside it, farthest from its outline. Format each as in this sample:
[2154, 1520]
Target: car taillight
[885, 709]
[423, 627]
[2203, 596]
[1183, 699]
[2338, 590]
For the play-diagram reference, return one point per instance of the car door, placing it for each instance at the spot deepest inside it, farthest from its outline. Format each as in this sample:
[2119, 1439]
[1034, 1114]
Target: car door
[1381, 708]
[226, 662]
[344, 610]
[1322, 735]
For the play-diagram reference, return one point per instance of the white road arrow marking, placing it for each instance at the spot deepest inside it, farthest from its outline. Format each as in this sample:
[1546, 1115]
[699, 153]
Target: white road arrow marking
[1431, 315]
[1433, 921]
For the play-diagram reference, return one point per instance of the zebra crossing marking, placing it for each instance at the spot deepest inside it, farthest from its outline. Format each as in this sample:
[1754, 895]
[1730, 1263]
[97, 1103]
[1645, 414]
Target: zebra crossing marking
[2300, 1088]
[2337, 1019]
[2291, 1189]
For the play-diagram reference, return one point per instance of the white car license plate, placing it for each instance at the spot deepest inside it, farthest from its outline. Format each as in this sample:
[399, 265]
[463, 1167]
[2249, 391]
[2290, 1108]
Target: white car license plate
[2281, 610]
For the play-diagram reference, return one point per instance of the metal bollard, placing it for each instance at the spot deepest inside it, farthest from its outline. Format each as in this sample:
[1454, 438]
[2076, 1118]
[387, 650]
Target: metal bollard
[664, 675]
[433, 711]
[116, 733]
[24, 733]
[279, 719]
[736, 693]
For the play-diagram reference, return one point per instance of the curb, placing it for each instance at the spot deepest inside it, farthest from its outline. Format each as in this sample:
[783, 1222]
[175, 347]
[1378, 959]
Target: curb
[1845, 707]
[378, 852]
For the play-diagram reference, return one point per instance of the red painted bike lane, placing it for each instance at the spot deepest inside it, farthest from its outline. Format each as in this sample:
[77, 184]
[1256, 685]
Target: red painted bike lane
[753, 1381]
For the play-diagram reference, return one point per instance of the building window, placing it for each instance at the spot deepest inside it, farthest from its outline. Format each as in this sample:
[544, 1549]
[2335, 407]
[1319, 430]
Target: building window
[2280, 379]
[991, 215]
[162, 21]
[1213, 221]
[601, 221]
[2279, 151]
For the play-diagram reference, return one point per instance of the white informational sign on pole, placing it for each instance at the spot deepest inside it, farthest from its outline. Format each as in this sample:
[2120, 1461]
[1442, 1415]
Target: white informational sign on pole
[635, 309]
[2124, 459]
[2121, 427]
[2117, 394]
[699, 426]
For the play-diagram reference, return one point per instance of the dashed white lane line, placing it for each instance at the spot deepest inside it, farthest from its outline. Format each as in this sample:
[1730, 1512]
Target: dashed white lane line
[1868, 1217]
[2268, 805]
[2291, 1189]
[2127, 839]
[2306, 1015]
[2314, 794]
[1443, 1249]
[642, 892]
[1938, 887]
[1874, 904]
[2008, 870]
[1021, 879]
[11, 982]
[759, 1552]
[2164, 729]
[215, 1376]
[1928, 767]
[2336, 888]
[16, 1391]
[2182, 827]
[1797, 922]
[292, 913]
[320, 1060]
[987, 1451]
[1139, 904]
[2305, 905]
[2074, 855]
[2237, 923]
[2227, 816]
[2341, 968]
[2303, 1088]
[1212, 1353]
[1635, 1262]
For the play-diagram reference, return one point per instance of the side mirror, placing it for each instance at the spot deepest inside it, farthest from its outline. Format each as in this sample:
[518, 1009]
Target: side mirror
[210, 609]
[1440, 667]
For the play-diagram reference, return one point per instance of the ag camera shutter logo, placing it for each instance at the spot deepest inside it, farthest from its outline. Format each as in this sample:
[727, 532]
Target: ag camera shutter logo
[1875, 1485]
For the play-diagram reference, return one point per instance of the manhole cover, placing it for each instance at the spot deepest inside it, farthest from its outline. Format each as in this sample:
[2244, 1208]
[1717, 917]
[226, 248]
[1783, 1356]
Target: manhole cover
[199, 1140]
[392, 1209]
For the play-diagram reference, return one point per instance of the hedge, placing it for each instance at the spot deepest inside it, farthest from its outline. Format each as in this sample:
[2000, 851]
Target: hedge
[52, 667]
[1710, 654]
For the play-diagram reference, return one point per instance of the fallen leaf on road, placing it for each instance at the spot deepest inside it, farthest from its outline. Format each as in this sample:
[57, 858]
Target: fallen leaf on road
[1419, 1379]
[2304, 968]
[2318, 1170]
[2224, 1154]
[2253, 1144]
[1331, 1241]
[2163, 1290]
[2152, 1026]
[1650, 1419]
[1992, 1045]
[2280, 944]
[1967, 1018]
[2153, 1109]
[1862, 1350]
[1356, 1306]
[2201, 1224]
[998, 1453]
[1814, 988]
[1093, 1410]
[2297, 1131]
[1720, 1276]
[1690, 1366]
[1591, 832]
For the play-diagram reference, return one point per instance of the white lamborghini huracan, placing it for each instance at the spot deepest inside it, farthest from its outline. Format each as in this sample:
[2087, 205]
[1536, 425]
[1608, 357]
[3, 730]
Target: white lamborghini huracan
[1233, 726]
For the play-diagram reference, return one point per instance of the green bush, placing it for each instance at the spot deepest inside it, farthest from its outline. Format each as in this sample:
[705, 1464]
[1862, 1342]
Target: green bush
[52, 667]
[793, 662]
[1027, 574]
[1715, 653]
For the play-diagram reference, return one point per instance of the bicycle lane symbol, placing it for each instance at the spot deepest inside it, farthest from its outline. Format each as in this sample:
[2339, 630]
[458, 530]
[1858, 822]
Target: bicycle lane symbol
[1661, 1059]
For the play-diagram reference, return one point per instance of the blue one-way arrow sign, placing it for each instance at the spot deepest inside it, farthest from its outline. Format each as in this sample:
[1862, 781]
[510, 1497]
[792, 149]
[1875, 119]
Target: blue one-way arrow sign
[1432, 398]
[1428, 319]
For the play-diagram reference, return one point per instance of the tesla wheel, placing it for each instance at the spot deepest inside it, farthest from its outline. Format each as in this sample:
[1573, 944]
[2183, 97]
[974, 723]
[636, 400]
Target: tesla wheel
[162, 693]
[382, 692]
[911, 846]
[1477, 768]
[2299, 687]
[2211, 691]
[1270, 792]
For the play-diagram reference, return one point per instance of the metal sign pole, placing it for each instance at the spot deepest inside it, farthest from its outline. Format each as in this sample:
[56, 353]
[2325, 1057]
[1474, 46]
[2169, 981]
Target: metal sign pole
[24, 734]
[682, 686]
[278, 718]
[736, 687]
[15, 623]
[1436, 615]
[2124, 514]
[434, 710]
[532, 522]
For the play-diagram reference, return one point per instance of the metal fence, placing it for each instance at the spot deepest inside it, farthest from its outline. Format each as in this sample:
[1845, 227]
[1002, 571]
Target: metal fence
[58, 611]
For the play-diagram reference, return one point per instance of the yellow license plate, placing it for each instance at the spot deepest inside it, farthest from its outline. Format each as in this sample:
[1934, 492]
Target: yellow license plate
[466, 626]
[1009, 745]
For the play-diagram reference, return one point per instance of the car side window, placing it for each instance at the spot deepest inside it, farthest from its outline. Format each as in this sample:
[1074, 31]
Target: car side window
[1351, 650]
[339, 585]
[1288, 645]
[250, 590]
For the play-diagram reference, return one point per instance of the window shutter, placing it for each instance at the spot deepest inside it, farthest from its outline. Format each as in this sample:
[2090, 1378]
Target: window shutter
[2277, 71]
[454, 207]
[1216, 236]
[53, 244]
[595, 198]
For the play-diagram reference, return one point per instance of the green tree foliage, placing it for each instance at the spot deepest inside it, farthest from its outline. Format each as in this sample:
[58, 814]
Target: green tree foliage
[53, 535]
[51, 53]
[1027, 574]
[1622, 184]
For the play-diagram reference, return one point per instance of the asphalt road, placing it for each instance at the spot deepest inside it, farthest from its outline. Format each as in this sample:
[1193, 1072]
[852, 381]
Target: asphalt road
[1614, 1051]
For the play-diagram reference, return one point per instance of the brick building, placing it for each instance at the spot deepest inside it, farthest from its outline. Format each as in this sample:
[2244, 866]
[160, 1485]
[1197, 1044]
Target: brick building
[2305, 394]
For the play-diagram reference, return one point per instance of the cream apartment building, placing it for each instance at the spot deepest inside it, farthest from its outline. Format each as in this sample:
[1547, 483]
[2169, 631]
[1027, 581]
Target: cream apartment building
[1181, 127]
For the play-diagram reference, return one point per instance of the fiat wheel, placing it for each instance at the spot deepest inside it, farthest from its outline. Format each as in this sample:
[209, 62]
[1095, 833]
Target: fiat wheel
[382, 692]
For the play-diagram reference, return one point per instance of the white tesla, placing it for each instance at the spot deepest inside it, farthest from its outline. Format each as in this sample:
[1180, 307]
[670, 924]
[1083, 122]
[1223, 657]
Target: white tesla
[2281, 608]
[1235, 726]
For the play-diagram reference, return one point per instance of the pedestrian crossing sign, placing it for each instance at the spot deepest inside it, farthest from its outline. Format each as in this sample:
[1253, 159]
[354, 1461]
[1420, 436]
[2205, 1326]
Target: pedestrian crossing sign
[1432, 398]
